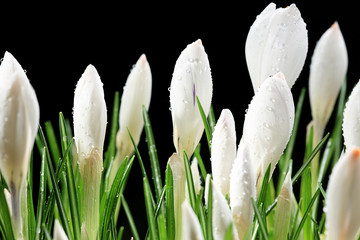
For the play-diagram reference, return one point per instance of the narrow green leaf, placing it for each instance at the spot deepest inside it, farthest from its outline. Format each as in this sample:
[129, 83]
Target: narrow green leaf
[137, 153]
[337, 131]
[189, 180]
[310, 158]
[46, 232]
[120, 233]
[170, 215]
[160, 202]
[53, 145]
[206, 124]
[130, 218]
[30, 204]
[154, 160]
[5, 218]
[209, 214]
[229, 232]
[200, 162]
[259, 218]
[150, 210]
[41, 196]
[211, 118]
[264, 188]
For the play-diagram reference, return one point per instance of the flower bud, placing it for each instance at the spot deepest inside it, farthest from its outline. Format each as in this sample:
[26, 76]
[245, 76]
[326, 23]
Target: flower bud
[351, 120]
[242, 189]
[90, 119]
[327, 73]
[191, 78]
[343, 197]
[268, 124]
[223, 150]
[19, 120]
[277, 41]
[191, 228]
[59, 233]
[221, 214]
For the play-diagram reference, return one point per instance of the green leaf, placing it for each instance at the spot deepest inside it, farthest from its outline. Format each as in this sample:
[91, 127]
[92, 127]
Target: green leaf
[200, 162]
[41, 196]
[137, 153]
[154, 160]
[130, 218]
[259, 218]
[53, 145]
[206, 124]
[229, 232]
[150, 210]
[170, 215]
[209, 225]
[29, 202]
[190, 181]
[5, 218]
[211, 119]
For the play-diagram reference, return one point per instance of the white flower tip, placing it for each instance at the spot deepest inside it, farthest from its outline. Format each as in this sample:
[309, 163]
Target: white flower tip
[335, 26]
[198, 42]
[59, 233]
[142, 59]
[280, 75]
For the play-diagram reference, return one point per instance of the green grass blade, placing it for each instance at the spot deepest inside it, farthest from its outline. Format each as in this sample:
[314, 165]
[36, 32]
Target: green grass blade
[211, 118]
[29, 202]
[120, 233]
[46, 232]
[264, 188]
[209, 225]
[306, 214]
[111, 150]
[259, 218]
[41, 196]
[150, 210]
[200, 162]
[206, 124]
[137, 153]
[170, 214]
[229, 232]
[189, 181]
[154, 160]
[309, 159]
[5, 218]
[160, 202]
[337, 131]
[130, 219]
[72, 193]
[112, 199]
[53, 144]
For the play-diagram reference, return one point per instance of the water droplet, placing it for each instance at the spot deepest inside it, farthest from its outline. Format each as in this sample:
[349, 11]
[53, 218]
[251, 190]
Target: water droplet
[169, 89]
[185, 101]
[266, 125]
[269, 108]
[170, 109]
[273, 100]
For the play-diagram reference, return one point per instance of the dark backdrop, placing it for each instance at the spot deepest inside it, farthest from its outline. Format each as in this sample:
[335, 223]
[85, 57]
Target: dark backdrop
[54, 44]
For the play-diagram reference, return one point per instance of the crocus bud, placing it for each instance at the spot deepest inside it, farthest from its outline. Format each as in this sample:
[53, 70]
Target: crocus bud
[277, 41]
[351, 120]
[179, 180]
[283, 209]
[90, 119]
[191, 228]
[343, 197]
[59, 233]
[327, 73]
[268, 124]
[191, 78]
[19, 120]
[221, 213]
[223, 150]
[242, 189]
[137, 92]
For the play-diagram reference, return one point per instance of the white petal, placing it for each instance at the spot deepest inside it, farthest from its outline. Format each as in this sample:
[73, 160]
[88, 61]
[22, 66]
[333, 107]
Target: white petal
[206, 190]
[223, 150]
[137, 92]
[277, 41]
[191, 228]
[343, 197]
[222, 218]
[59, 233]
[191, 78]
[268, 124]
[327, 73]
[242, 189]
[89, 104]
[351, 120]
[196, 175]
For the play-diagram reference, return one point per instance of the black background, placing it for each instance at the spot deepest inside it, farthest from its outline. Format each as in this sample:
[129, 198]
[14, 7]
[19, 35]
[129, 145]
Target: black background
[54, 44]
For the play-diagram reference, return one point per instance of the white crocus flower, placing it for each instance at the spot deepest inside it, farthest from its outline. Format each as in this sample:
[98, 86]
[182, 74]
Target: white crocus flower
[90, 119]
[59, 233]
[223, 150]
[137, 93]
[268, 124]
[277, 41]
[283, 209]
[343, 197]
[221, 213]
[328, 69]
[191, 228]
[351, 121]
[242, 189]
[191, 78]
[19, 120]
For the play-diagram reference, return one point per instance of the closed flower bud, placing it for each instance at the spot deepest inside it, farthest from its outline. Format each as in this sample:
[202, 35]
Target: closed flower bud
[327, 73]
[59, 233]
[343, 197]
[223, 150]
[191, 78]
[242, 189]
[221, 214]
[268, 124]
[90, 119]
[351, 120]
[277, 41]
[137, 93]
[191, 228]
[19, 120]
